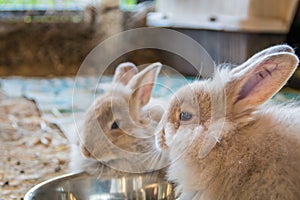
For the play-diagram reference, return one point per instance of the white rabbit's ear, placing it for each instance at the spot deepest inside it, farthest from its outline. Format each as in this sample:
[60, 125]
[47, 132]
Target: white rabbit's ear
[124, 72]
[142, 85]
[262, 78]
[264, 53]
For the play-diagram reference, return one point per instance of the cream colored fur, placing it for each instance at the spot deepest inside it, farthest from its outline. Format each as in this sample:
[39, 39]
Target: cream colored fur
[236, 145]
[126, 101]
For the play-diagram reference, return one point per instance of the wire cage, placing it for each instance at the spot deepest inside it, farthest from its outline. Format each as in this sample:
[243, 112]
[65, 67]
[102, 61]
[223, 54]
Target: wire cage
[44, 11]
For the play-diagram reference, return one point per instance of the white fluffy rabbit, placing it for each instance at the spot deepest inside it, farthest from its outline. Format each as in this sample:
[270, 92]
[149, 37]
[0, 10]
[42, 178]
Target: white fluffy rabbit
[118, 125]
[226, 142]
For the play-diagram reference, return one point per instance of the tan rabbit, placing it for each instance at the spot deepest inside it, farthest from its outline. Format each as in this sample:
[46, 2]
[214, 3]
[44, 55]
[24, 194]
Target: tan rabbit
[118, 125]
[226, 142]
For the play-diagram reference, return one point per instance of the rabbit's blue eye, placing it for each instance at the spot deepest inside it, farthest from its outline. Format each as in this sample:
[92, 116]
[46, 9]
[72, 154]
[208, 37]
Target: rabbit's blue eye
[185, 116]
[115, 125]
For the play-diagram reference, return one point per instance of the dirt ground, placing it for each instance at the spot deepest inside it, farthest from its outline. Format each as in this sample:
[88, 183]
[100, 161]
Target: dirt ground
[31, 149]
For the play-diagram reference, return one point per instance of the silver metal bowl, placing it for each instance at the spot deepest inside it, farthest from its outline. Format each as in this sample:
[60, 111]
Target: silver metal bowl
[81, 186]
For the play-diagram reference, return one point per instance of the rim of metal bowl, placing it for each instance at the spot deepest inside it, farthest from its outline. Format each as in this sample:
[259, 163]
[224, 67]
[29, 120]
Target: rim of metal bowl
[28, 195]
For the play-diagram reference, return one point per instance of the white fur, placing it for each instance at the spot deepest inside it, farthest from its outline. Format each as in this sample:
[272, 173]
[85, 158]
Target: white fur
[235, 146]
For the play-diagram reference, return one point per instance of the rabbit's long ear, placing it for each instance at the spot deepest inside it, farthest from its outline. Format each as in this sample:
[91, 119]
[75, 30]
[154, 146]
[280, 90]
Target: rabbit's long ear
[124, 72]
[264, 53]
[142, 85]
[262, 78]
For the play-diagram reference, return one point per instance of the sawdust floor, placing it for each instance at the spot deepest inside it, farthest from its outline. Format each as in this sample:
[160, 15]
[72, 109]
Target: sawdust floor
[31, 150]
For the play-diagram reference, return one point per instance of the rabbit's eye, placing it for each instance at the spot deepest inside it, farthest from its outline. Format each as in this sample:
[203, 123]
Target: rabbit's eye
[185, 116]
[115, 125]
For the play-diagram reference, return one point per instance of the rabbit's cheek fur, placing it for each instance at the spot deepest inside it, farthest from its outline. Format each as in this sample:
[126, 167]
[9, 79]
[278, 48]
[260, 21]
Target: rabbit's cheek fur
[179, 143]
[185, 165]
[115, 135]
[169, 131]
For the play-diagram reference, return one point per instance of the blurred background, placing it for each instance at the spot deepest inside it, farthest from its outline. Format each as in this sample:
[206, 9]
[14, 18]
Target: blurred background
[52, 37]
[44, 42]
